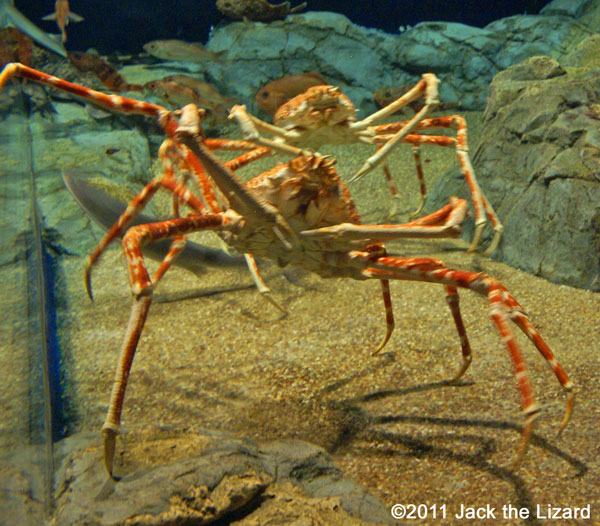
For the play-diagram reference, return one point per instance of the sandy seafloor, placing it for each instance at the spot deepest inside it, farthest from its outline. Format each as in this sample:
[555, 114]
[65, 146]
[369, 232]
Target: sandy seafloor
[215, 355]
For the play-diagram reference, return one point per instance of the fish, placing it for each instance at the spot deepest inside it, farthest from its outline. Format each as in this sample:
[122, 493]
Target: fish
[63, 15]
[10, 16]
[179, 90]
[174, 93]
[218, 104]
[279, 91]
[105, 210]
[256, 10]
[182, 51]
[107, 74]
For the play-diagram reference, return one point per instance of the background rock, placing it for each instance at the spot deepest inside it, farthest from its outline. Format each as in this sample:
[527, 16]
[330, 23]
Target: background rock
[464, 58]
[538, 162]
[585, 11]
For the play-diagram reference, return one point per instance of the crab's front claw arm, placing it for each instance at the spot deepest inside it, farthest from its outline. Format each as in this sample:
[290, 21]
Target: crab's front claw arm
[240, 199]
[251, 127]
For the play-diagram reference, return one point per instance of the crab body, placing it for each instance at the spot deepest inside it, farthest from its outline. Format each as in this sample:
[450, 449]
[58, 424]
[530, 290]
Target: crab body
[308, 194]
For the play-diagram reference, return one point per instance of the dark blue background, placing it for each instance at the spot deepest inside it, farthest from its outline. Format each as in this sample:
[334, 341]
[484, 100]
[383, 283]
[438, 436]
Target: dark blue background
[126, 25]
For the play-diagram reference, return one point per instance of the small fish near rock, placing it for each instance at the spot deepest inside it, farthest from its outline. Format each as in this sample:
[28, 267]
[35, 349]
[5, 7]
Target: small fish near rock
[256, 10]
[180, 90]
[107, 74]
[217, 103]
[279, 91]
[182, 51]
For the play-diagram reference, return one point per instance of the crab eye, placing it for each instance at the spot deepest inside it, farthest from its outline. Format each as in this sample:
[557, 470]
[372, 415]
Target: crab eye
[265, 94]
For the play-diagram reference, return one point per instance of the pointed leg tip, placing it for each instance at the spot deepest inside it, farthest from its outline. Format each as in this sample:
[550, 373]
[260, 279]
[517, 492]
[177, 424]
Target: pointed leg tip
[494, 244]
[109, 450]
[463, 369]
[476, 238]
[87, 279]
[525, 437]
[88, 287]
[569, 410]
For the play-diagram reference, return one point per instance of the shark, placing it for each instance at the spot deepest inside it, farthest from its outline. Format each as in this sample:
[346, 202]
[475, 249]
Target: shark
[105, 210]
[11, 16]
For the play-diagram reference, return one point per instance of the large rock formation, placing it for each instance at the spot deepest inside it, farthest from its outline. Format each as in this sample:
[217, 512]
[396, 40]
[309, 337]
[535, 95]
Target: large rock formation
[362, 60]
[538, 162]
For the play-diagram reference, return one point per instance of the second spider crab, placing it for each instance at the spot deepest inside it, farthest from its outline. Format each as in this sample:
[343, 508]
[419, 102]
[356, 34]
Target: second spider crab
[324, 115]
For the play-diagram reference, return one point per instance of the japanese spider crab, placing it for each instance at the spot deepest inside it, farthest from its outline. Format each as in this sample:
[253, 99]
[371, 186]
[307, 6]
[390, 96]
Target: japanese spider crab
[298, 213]
[323, 115]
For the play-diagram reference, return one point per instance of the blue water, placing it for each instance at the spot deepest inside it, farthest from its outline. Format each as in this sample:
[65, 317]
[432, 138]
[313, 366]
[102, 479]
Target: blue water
[125, 26]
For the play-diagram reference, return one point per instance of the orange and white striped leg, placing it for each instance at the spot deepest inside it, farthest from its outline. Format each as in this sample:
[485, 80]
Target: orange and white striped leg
[247, 158]
[453, 303]
[135, 207]
[503, 308]
[142, 289]
[389, 315]
[481, 205]
[467, 356]
[527, 327]
[107, 101]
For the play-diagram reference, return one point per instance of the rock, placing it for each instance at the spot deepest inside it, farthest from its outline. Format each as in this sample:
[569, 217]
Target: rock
[538, 163]
[585, 54]
[586, 12]
[22, 498]
[464, 58]
[228, 479]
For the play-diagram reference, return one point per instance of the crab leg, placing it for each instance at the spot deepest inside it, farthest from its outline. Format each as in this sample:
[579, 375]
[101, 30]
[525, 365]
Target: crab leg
[261, 286]
[374, 254]
[481, 205]
[241, 200]
[394, 191]
[503, 308]
[113, 102]
[110, 102]
[428, 85]
[416, 151]
[389, 315]
[142, 288]
[250, 126]
[444, 223]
